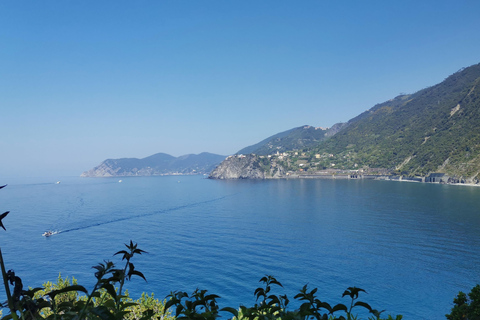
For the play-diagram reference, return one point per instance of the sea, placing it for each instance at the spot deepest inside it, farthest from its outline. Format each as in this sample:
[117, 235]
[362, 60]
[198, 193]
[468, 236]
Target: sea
[411, 246]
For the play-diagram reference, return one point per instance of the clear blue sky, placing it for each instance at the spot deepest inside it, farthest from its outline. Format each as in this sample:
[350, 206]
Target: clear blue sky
[83, 81]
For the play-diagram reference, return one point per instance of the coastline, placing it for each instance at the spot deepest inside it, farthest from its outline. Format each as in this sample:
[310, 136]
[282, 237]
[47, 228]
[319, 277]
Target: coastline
[374, 177]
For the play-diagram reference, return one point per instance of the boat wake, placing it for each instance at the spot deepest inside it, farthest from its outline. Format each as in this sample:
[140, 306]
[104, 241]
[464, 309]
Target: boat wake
[190, 205]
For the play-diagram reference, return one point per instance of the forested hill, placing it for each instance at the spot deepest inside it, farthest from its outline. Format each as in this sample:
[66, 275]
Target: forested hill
[157, 164]
[296, 138]
[436, 129]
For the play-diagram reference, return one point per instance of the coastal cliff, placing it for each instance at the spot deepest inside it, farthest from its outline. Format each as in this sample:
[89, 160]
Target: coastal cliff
[247, 167]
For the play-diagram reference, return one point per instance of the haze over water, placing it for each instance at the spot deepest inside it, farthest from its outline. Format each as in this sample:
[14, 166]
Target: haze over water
[411, 246]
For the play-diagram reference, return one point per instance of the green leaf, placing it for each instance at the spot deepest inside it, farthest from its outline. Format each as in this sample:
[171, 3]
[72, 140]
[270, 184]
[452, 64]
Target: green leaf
[109, 303]
[178, 310]
[32, 292]
[231, 310]
[211, 297]
[259, 292]
[139, 251]
[170, 303]
[363, 304]
[274, 281]
[53, 293]
[110, 290]
[126, 255]
[325, 305]
[339, 307]
[138, 273]
[353, 292]
[273, 299]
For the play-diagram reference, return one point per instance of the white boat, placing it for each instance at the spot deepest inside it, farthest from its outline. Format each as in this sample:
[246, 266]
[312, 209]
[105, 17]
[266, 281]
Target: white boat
[49, 233]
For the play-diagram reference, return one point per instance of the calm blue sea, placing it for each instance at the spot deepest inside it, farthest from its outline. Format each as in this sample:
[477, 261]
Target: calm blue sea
[411, 246]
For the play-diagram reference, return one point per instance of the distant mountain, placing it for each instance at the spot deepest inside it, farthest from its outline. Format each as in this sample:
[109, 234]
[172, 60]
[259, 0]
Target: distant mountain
[157, 164]
[293, 139]
[435, 130]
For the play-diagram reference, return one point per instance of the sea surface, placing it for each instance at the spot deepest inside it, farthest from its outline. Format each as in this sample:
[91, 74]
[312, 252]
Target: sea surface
[411, 246]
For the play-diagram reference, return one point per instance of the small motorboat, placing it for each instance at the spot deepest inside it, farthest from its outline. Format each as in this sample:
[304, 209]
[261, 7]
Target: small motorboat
[49, 233]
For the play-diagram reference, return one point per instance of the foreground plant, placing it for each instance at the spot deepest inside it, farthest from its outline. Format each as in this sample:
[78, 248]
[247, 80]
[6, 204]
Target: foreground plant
[466, 307]
[202, 306]
[64, 301]
[147, 306]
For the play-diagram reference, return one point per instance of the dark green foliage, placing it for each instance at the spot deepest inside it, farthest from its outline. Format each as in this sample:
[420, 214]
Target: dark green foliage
[199, 305]
[466, 308]
[269, 306]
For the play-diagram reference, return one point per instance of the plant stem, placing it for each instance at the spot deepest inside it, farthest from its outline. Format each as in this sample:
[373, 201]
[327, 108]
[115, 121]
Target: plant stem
[7, 289]
[122, 281]
[88, 300]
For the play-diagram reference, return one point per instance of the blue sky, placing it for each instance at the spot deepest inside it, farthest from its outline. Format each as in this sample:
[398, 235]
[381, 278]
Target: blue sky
[83, 81]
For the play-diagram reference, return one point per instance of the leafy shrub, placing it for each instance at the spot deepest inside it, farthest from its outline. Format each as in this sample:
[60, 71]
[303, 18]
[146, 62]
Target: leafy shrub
[202, 306]
[144, 305]
[65, 300]
[466, 308]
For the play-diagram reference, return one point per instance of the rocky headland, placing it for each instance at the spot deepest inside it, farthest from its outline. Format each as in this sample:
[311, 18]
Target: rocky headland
[247, 167]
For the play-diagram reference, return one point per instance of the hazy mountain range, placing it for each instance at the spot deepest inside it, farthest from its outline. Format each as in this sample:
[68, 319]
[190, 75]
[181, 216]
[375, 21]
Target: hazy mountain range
[157, 164]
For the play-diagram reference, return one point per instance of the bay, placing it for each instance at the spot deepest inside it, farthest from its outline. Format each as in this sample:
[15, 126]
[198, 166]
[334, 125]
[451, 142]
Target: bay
[411, 246]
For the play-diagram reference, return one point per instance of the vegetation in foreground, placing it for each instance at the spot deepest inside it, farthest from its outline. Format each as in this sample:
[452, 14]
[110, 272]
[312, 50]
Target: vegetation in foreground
[466, 307]
[108, 300]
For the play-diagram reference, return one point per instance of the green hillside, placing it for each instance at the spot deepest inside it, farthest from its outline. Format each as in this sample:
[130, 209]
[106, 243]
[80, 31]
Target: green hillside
[433, 130]
[296, 138]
